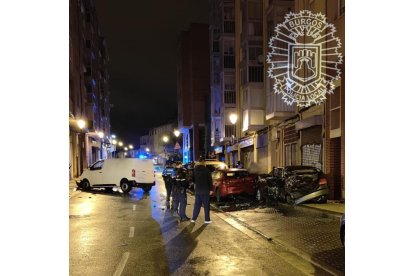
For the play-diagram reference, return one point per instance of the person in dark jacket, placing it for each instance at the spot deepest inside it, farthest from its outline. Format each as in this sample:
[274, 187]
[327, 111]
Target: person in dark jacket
[202, 187]
[181, 186]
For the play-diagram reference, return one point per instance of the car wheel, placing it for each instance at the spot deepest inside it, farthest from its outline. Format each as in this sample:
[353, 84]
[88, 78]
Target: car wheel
[86, 185]
[289, 199]
[125, 186]
[218, 196]
[146, 188]
[322, 199]
[343, 235]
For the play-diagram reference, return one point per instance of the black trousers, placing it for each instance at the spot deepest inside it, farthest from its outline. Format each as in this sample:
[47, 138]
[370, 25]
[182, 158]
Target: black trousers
[202, 200]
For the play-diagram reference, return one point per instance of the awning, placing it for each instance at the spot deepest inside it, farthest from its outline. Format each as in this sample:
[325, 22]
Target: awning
[309, 122]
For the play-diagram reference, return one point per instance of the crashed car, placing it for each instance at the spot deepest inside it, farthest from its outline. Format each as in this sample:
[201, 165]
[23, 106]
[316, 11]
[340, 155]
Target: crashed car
[231, 182]
[293, 184]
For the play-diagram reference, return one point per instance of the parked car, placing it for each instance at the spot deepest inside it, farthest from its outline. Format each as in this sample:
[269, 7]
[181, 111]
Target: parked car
[230, 182]
[342, 229]
[125, 173]
[293, 184]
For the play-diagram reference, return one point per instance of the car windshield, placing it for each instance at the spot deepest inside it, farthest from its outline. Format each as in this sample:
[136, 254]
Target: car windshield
[216, 175]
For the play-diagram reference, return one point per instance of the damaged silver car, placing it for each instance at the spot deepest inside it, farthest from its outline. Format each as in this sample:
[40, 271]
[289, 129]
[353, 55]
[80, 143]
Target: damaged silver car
[294, 185]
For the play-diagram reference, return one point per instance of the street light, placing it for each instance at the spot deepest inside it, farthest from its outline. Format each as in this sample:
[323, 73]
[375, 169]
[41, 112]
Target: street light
[114, 142]
[233, 118]
[113, 136]
[120, 144]
[81, 123]
[147, 149]
[100, 134]
[165, 139]
[131, 147]
[176, 133]
[125, 148]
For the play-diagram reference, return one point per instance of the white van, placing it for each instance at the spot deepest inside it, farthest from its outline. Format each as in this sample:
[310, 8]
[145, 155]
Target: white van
[125, 173]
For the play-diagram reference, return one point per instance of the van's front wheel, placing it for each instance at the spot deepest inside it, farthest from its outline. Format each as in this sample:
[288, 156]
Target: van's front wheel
[125, 186]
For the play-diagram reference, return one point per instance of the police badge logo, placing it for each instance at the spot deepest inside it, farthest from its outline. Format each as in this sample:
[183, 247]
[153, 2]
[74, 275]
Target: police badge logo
[303, 58]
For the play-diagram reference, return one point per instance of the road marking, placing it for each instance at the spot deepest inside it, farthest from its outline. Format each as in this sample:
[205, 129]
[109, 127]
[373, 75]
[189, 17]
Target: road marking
[133, 207]
[131, 232]
[121, 265]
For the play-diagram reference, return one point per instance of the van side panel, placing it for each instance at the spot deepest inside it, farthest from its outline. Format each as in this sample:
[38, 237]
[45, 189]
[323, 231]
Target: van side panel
[144, 172]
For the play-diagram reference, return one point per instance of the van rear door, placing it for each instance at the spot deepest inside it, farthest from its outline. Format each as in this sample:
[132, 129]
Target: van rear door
[145, 171]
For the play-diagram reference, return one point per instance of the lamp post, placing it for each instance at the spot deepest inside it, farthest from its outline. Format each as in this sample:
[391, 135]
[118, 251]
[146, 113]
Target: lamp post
[233, 120]
[81, 124]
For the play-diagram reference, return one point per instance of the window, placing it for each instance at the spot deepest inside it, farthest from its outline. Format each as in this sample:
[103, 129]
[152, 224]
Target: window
[216, 47]
[336, 109]
[255, 28]
[229, 130]
[97, 166]
[254, 53]
[290, 154]
[255, 73]
[228, 51]
[229, 90]
[255, 10]
[228, 23]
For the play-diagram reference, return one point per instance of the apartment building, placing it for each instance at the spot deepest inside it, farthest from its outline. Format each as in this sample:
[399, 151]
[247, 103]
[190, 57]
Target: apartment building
[193, 91]
[269, 132]
[88, 88]
[223, 74]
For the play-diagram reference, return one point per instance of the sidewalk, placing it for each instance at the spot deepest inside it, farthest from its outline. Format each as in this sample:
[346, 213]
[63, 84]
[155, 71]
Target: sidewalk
[73, 188]
[335, 207]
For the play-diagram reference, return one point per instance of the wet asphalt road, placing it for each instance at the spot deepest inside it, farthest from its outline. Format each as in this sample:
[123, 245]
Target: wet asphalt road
[117, 234]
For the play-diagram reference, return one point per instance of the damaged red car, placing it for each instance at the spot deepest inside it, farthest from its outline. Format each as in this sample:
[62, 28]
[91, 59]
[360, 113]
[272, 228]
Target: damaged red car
[232, 182]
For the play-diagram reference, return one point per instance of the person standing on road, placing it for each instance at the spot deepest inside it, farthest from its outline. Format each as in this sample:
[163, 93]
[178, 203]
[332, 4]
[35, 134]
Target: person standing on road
[182, 185]
[202, 188]
[168, 186]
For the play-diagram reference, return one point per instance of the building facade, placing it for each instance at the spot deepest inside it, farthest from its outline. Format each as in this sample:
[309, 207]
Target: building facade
[223, 75]
[270, 133]
[193, 91]
[88, 88]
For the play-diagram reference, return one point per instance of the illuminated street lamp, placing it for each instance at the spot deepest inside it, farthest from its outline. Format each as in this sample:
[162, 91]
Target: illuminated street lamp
[176, 133]
[81, 123]
[233, 118]
[125, 148]
[100, 134]
[131, 146]
[114, 142]
[120, 144]
[165, 139]
[147, 149]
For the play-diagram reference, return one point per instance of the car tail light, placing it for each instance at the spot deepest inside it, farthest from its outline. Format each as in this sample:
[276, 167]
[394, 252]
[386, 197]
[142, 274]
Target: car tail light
[323, 181]
[133, 173]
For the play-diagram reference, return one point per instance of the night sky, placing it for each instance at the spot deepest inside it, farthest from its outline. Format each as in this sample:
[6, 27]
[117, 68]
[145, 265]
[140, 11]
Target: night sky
[142, 44]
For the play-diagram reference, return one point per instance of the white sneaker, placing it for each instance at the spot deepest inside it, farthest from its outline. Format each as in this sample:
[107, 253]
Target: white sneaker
[207, 222]
[193, 221]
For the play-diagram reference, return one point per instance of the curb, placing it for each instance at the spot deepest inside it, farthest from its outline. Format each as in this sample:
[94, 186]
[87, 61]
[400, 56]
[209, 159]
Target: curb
[323, 212]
